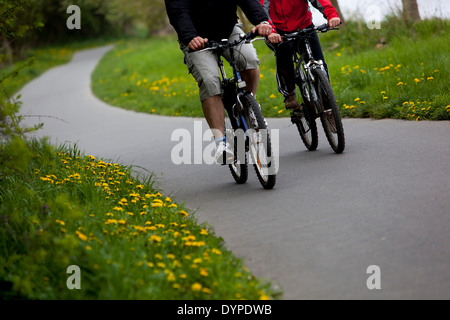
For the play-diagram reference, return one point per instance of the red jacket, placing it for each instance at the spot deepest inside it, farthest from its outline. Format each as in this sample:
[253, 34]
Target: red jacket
[291, 15]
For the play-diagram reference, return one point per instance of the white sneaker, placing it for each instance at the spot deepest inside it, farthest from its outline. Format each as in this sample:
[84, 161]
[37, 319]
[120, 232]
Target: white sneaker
[224, 154]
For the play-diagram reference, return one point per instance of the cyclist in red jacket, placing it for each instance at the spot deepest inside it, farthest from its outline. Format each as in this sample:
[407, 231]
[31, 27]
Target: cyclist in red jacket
[289, 16]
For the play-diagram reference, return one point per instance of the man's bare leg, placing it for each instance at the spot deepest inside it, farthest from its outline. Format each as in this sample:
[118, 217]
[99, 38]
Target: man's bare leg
[251, 78]
[214, 112]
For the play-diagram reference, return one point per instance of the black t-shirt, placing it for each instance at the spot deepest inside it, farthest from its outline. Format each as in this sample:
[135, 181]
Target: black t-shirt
[212, 19]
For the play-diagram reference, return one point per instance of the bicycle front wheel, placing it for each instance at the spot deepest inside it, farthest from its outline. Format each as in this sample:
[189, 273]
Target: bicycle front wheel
[329, 112]
[260, 147]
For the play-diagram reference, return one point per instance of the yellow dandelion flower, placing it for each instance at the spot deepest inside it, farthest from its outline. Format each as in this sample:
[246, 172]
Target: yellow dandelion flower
[60, 222]
[183, 213]
[357, 99]
[155, 238]
[170, 256]
[81, 236]
[430, 78]
[206, 290]
[204, 272]
[171, 277]
[272, 96]
[196, 287]
[197, 260]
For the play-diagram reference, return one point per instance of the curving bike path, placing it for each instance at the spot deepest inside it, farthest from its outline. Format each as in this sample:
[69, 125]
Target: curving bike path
[385, 201]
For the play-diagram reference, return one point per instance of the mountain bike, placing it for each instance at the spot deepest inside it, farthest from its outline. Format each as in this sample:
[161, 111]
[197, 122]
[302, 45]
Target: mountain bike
[315, 89]
[245, 126]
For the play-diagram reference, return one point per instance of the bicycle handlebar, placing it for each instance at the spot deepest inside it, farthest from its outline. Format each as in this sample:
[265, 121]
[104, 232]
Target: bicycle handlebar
[322, 28]
[213, 45]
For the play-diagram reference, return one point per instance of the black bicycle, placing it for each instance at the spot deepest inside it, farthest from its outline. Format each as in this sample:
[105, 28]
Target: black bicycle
[315, 89]
[245, 126]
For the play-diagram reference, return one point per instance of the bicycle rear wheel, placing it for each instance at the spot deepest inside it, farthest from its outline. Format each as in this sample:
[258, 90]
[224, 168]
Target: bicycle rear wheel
[330, 117]
[239, 167]
[260, 147]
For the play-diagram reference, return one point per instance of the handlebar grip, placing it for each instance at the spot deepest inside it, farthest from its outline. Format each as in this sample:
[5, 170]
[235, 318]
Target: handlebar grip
[249, 36]
[323, 27]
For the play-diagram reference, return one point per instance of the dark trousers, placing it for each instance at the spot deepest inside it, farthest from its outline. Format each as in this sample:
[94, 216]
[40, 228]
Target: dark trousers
[284, 61]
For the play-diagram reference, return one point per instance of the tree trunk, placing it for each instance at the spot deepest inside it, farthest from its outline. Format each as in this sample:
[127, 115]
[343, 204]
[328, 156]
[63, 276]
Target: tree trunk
[338, 9]
[8, 53]
[411, 10]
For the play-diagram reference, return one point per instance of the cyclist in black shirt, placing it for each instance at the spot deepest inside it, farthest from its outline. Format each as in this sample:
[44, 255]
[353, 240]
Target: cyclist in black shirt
[196, 22]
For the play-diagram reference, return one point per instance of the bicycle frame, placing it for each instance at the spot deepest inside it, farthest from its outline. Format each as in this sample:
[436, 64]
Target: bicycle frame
[303, 69]
[233, 88]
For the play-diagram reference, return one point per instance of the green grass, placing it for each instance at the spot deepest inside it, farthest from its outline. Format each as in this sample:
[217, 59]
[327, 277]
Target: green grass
[149, 75]
[64, 208]
[397, 82]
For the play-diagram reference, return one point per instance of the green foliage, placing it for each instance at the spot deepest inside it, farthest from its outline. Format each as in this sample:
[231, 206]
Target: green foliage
[27, 24]
[129, 240]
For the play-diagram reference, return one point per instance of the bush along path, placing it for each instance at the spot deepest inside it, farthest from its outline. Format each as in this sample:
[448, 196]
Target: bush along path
[70, 221]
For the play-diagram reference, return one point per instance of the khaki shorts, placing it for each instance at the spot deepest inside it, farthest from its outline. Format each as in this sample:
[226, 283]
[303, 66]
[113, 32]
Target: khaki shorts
[204, 65]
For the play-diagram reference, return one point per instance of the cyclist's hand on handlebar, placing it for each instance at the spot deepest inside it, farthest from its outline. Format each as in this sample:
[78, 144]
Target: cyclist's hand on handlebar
[334, 23]
[197, 43]
[274, 38]
[263, 29]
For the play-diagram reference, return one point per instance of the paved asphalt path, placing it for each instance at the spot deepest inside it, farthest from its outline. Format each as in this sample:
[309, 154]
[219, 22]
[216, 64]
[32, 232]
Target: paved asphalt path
[385, 201]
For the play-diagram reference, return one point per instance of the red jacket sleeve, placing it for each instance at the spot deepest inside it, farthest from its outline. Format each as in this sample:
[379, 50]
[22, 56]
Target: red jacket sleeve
[326, 8]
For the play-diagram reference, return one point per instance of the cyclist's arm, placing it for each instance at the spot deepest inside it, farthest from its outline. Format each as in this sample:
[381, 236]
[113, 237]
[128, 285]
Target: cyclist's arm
[328, 11]
[180, 18]
[253, 11]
